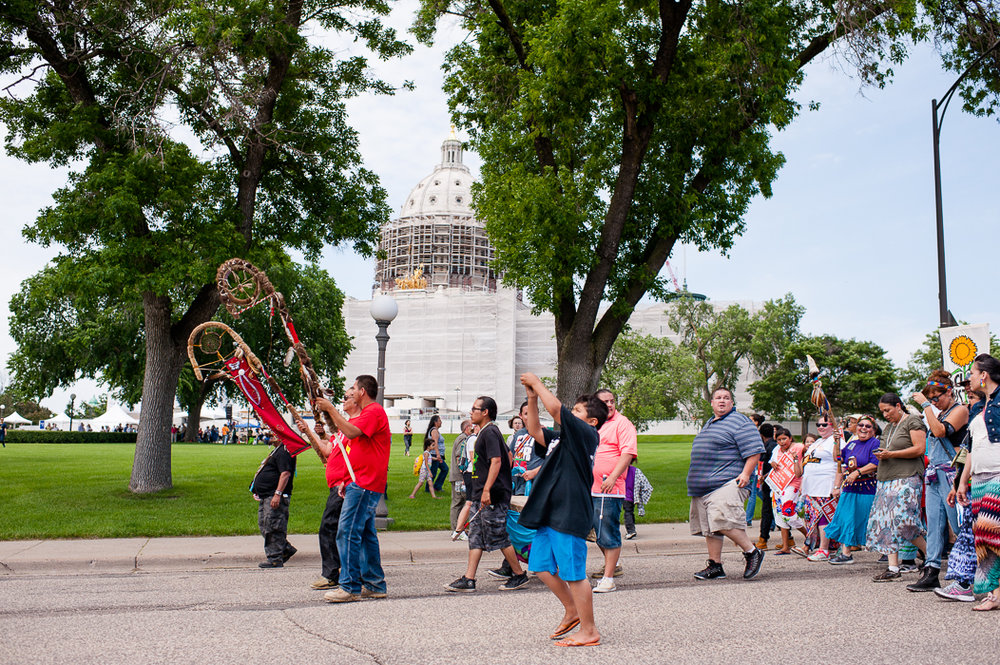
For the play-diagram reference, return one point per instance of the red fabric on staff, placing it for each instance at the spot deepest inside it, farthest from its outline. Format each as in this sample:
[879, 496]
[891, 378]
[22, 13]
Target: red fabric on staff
[246, 380]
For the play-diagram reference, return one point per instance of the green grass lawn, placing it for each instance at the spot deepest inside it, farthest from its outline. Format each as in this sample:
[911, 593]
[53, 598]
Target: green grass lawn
[80, 491]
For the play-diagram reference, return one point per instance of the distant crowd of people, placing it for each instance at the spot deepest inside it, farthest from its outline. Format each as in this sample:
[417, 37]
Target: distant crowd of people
[225, 435]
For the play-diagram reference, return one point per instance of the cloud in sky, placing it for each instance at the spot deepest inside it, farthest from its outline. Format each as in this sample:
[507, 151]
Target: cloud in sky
[849, 230]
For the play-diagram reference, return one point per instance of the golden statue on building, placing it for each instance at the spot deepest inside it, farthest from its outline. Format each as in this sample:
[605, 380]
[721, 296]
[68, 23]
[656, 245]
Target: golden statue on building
[415, 280]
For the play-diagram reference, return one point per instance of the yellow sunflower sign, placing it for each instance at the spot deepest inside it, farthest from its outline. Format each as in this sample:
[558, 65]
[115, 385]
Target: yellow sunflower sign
[960, 345]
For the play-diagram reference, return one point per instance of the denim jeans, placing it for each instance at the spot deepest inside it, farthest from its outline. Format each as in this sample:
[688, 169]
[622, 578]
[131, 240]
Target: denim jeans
[938, 512]
[752, 501]
[360, 559]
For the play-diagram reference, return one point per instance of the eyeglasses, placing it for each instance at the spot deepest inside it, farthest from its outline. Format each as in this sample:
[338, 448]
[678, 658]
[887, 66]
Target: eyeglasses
[934, 400]
[822, 424]
[477, 408]
[865, 426]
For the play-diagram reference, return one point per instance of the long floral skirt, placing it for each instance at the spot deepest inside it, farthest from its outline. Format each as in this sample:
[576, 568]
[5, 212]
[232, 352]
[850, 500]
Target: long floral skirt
[895, 516]
[986, 531]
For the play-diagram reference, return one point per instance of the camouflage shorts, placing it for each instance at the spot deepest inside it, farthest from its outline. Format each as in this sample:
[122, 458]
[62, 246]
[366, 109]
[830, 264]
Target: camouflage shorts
[488, 527]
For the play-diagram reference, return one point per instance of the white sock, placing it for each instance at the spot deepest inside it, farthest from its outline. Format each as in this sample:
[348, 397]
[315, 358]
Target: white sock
[893, 569]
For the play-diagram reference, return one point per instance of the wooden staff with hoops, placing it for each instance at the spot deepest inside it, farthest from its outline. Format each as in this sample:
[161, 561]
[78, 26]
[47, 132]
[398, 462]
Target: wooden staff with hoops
[819, 400]
[242, 286]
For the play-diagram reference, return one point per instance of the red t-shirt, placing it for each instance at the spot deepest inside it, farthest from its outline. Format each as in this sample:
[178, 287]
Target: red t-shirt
[369, 452]
[336, 469]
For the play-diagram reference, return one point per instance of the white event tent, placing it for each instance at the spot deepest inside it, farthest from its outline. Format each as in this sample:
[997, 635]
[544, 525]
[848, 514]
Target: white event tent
[114, 416]
[60, 421]
[16, 419]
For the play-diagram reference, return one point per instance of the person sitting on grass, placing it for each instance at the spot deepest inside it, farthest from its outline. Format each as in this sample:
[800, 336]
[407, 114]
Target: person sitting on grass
[425, 477]
[560, 506]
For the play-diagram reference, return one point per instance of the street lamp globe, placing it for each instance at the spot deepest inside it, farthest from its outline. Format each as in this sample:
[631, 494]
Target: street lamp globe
[384, 308]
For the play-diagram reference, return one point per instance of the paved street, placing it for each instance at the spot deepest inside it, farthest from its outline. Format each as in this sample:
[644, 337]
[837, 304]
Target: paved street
[795, 611]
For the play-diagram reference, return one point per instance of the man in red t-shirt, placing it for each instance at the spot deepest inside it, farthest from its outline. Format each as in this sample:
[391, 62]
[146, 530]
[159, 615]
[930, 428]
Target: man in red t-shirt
[331, 453]
[357, 542]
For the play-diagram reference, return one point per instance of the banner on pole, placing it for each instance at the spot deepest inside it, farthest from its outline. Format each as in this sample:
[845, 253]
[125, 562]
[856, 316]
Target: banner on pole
[959, 347]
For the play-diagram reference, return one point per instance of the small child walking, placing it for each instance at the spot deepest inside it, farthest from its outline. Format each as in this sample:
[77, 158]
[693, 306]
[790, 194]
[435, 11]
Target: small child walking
[424, 477]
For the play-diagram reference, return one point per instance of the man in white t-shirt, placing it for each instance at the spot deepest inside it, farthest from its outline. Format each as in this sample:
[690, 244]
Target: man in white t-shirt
[617, 448]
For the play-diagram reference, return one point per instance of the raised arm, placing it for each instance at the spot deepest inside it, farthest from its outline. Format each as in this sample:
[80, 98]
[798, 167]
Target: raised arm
[531, 420]
[549, 401]
[349, 430]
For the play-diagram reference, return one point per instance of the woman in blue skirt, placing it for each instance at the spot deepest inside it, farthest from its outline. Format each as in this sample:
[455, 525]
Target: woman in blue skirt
[850, 522]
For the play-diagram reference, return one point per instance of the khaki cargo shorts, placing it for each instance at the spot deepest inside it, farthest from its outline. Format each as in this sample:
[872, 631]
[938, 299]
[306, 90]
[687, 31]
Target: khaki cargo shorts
[721, 510]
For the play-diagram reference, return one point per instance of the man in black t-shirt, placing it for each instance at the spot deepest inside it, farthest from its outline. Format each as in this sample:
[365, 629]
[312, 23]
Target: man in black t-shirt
[272, 488]
[489, 494]
[560, 506]
[766, 511]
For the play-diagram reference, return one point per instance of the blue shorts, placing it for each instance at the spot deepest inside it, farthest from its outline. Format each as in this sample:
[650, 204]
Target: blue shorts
[607, 510]
[558, 553]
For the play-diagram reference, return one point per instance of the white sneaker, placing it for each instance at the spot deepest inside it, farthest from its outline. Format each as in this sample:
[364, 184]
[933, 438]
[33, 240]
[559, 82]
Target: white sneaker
[606, 585]
[954, 591]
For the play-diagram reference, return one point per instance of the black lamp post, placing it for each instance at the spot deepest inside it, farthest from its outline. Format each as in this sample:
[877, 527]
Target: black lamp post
[72, 400]
[383, 309]
[945, 314]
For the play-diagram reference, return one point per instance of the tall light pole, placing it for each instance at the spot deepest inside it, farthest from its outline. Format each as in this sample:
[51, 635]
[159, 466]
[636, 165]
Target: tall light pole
[945, 314]
[383, 309]
[72, 400]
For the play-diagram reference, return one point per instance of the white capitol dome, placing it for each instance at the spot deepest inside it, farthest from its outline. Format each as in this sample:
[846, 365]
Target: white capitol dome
[448, 190]
[437, 232]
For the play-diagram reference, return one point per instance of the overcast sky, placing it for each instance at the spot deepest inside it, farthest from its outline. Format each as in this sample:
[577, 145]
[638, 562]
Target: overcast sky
[849, 230]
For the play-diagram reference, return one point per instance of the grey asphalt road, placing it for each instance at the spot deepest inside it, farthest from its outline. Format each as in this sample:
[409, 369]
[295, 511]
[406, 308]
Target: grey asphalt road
[794, 612]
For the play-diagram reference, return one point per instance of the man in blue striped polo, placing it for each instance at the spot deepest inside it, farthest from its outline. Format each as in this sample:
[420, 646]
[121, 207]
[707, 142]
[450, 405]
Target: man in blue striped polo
[723, 457]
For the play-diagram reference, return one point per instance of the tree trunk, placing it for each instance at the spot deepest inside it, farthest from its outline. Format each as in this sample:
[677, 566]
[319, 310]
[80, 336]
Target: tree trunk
[151, 464]
[166, 353]
[580, 367]
[194, 414]
[805, 427]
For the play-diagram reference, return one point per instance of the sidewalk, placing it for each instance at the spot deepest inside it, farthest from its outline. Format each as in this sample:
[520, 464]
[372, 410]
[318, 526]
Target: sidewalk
[125, 555]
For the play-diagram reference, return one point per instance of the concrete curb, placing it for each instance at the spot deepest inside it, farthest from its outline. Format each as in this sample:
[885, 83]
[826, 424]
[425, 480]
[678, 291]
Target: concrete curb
[131, 555]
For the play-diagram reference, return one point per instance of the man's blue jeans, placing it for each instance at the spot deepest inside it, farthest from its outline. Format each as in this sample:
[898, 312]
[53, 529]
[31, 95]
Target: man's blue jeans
[360, 559]
[938, 511]
[752, 501]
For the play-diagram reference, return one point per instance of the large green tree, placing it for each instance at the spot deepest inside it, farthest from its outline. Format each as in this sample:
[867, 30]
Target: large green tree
[965, 30]
[855, 375]
[727, 344]
[116, 91]
[611, 130]
[654, 379]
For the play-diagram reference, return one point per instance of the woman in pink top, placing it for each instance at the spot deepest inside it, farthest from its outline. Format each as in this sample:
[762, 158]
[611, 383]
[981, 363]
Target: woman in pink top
[785, 487]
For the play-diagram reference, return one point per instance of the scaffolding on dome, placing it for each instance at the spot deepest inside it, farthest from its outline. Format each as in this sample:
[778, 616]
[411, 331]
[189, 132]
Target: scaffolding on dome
[452, 251]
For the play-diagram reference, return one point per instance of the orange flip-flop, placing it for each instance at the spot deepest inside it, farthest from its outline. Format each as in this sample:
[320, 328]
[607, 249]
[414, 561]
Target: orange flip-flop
[571, 642]
[564, 628]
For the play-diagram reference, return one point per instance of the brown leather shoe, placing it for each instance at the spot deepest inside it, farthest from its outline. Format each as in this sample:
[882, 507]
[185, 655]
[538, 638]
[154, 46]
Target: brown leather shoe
[761, 544]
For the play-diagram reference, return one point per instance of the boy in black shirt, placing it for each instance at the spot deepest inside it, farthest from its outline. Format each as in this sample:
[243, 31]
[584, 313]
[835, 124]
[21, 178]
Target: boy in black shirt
[560, 507]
